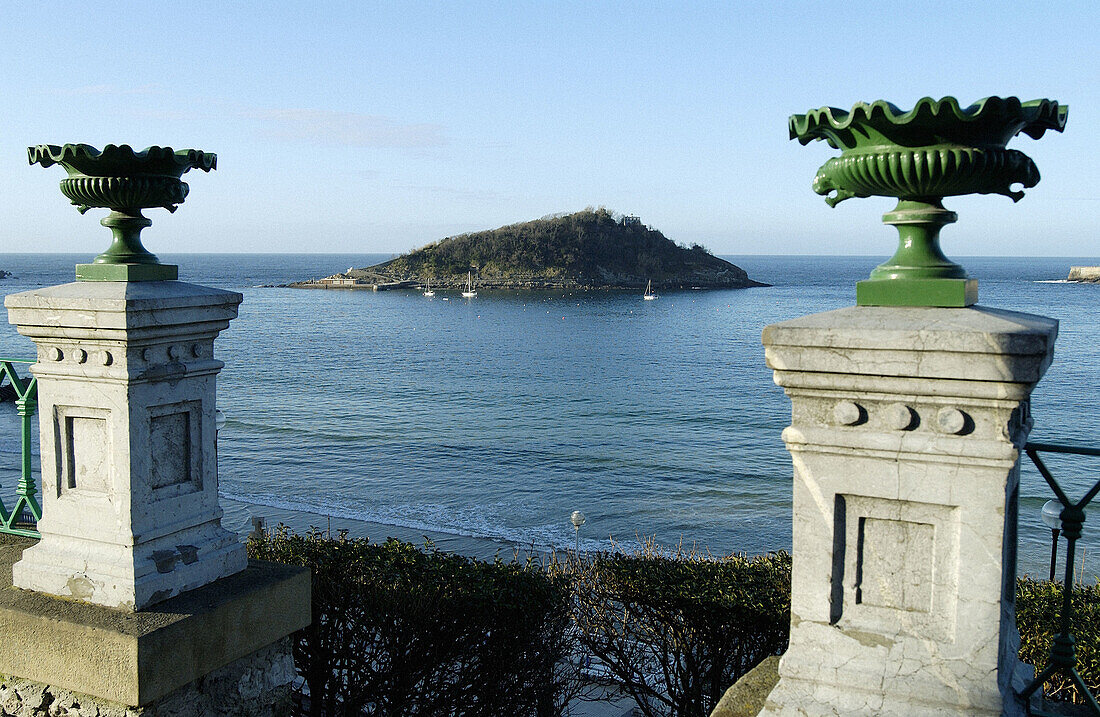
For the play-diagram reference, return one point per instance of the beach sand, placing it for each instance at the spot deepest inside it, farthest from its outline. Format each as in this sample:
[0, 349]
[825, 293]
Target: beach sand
[238, 518]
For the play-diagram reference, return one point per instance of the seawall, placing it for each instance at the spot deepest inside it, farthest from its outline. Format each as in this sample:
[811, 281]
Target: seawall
[1085, 273]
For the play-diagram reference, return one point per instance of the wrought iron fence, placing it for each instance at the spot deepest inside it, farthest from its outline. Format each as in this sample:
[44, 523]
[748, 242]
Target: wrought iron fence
[23, 516]
[1069, 521]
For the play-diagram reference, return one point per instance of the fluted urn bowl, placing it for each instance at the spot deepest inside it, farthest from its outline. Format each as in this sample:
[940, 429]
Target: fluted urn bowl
[937, 149]
[126, 182]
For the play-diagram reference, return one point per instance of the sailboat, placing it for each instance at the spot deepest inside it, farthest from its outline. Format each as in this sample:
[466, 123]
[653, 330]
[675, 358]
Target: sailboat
[469, 293]
[649, 295]
[428, 291]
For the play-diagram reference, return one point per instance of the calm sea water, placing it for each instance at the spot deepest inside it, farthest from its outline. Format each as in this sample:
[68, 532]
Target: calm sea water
[488, 421]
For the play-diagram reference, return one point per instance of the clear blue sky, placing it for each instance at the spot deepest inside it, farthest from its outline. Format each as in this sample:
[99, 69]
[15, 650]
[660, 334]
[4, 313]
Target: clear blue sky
[377, 127]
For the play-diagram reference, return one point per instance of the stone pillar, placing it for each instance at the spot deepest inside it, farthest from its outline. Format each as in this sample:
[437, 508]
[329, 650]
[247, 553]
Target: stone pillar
[136, 601]
[126, 398]
[905, 435]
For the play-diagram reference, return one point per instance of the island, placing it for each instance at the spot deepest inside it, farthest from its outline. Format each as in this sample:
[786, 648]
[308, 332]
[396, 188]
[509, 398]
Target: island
[591, 249]
[1085, 274]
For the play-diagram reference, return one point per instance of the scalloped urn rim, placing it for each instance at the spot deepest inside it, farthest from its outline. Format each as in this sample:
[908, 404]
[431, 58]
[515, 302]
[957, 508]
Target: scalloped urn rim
[935, 150]
[121, 160]
[989, 122]
[124, 181]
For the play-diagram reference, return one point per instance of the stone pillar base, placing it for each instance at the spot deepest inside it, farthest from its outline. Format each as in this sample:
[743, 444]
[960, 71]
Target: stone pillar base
[810, 698]
[255, 685]
[222, 649]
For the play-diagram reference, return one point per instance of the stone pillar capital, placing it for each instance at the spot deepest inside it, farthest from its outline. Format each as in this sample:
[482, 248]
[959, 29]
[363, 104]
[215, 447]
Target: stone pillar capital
[972, 344]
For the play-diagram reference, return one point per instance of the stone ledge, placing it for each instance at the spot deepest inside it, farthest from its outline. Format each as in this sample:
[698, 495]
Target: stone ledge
[135, 658]
[962, 344]
[746, 697]
[976, 329]
[258, 685]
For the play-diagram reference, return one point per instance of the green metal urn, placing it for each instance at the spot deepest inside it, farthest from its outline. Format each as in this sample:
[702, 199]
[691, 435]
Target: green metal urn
[935, 150]
[124, 181]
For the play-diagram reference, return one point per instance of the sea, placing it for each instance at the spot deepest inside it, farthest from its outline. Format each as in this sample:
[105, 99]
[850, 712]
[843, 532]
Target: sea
[480, 425]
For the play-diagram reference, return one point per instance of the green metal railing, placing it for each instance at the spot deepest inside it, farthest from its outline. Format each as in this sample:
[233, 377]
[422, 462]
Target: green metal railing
[25, 513]
[1063, 655]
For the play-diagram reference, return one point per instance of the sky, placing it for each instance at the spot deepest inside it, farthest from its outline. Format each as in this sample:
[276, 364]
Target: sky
[379, 127]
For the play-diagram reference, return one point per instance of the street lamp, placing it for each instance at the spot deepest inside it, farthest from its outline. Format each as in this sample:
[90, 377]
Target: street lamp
[1052, 518]
[577, 519]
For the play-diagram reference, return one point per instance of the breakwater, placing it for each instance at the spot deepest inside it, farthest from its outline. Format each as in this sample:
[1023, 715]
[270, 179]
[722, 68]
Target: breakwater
[1089, 274]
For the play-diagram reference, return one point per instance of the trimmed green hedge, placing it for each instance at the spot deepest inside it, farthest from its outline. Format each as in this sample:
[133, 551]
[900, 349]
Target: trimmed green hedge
[678, 629]
[402, 631]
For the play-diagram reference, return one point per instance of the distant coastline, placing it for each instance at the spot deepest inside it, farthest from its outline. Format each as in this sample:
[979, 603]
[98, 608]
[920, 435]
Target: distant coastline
[592, 249]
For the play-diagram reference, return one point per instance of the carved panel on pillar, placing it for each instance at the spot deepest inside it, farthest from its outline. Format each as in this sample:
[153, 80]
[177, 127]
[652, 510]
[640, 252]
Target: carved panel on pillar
[900, 566]
[84, 440]
[176, 445]
[902, 585]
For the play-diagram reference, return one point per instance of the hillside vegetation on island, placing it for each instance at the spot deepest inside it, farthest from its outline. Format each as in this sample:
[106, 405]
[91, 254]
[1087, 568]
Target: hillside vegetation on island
[591, 249]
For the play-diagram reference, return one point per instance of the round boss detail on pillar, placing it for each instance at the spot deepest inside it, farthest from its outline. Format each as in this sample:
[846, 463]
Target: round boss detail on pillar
[80, 356]
[901, 417]
[951, 420]
[849, 413]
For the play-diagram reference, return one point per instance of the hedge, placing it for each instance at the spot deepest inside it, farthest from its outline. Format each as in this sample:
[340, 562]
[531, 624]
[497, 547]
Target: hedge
[399, 630]
[678, 629]
[402, 631]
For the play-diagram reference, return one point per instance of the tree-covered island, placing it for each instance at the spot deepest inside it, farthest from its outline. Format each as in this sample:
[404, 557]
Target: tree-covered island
[588, 249]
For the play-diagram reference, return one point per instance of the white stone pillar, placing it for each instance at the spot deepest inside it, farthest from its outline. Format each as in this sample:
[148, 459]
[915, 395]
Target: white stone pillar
[126, 399]
[905, 435]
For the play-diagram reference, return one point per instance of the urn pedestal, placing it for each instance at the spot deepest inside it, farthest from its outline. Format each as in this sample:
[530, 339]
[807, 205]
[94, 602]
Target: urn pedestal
[906, 430]
[909, 413]
[126, 394]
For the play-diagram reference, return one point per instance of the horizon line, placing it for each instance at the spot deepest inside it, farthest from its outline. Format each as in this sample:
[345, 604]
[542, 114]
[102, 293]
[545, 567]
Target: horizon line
[393, 253]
